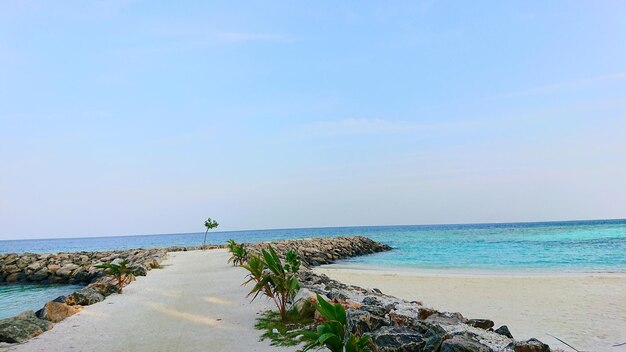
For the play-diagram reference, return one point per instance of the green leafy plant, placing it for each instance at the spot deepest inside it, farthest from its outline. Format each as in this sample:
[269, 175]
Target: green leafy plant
[272, 278]
[121, 272]
[238, 251]
[334, 333]
[209, 224]
[289, 331]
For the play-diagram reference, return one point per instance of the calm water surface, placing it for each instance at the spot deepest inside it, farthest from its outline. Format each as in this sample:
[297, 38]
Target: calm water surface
[16, 298]
[570, 246]
[574, 246]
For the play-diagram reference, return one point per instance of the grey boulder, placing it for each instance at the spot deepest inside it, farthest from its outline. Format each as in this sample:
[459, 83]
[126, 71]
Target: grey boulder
[504, 331]
[397, 339]
[22, 327]
[464, 343]
[85, 297]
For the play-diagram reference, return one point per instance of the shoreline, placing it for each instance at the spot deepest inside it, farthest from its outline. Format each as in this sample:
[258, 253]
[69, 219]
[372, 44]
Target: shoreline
[470, 272]
[584, 309]
[83, 266]
[195, 303]
[585, 305]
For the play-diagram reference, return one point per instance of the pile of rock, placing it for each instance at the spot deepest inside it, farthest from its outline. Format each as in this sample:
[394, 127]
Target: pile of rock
[80, 267]
[66, 268]
[30, 324]
[22, 327]
[76, 267]
[318, 251]
[397, 325]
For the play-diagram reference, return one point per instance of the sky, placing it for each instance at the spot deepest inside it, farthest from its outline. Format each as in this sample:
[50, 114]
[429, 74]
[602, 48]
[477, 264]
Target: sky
[140, 117]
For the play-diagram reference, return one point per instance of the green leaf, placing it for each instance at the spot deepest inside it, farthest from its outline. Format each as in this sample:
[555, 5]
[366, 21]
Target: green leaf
[325, 308]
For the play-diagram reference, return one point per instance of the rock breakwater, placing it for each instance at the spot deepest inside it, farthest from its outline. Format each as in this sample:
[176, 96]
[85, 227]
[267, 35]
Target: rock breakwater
[395, 325]
[319, 251]
[76, 267]
[80, 267]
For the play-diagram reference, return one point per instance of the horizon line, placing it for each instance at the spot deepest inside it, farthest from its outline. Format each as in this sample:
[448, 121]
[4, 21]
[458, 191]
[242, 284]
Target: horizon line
[320, 227]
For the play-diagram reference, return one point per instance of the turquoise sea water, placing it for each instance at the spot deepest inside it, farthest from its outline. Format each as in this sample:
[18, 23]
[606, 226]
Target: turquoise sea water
[562, 246]
[16, 298]
[573, 246]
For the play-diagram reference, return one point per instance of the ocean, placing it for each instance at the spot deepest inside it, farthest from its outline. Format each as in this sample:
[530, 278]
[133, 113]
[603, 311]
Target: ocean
[563, 247]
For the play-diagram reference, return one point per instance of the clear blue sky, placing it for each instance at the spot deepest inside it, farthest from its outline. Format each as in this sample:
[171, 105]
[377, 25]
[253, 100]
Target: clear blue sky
[134, 117]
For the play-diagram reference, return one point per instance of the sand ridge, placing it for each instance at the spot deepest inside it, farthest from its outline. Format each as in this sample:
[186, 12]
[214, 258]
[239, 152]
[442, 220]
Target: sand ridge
[196, 303]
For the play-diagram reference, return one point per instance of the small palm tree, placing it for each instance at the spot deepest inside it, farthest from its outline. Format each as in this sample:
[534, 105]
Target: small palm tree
[121, 272]
[209, 224]
[239, 253]
[274, 278]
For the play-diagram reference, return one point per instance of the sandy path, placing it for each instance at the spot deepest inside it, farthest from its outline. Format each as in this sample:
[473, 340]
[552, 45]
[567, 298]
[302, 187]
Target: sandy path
[587, 311]
[195, 304]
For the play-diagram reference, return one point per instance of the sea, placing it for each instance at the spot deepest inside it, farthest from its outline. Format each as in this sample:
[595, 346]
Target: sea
[597, 246]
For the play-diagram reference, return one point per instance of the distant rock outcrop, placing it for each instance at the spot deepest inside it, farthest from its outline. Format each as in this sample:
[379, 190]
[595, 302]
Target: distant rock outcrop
[76, 267]
[319, 251]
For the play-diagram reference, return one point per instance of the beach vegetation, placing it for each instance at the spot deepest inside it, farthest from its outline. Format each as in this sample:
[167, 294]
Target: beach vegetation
[155, 265]
[209, 224]
[120, 271]
[288, 332]
[239, 253]
[333, 333]
[274, 278]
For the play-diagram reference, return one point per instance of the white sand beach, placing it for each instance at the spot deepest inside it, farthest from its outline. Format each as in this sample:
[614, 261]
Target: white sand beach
[196, 303]
[586, 310]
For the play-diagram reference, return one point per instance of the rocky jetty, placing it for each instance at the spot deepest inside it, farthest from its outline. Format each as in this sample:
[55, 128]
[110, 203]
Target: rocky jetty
[318, 251]
[80, 267]
[395, 325]
[76, 267]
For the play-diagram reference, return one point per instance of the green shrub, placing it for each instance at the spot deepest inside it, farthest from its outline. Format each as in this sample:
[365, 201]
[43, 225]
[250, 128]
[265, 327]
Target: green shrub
[239, 253]
[333, 333]
[121, 272]
[288, 332]
[274, 279]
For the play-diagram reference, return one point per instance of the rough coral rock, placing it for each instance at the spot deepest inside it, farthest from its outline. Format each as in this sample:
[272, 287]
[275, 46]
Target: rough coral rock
[504, 331]
[85, 297]
[22, 327]
[72, 267]
[532, 345]
[57, 311]
[464, 343]
[362, 321]
[397, 339]
[481, 323]
[445, 318]
[105, 288]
